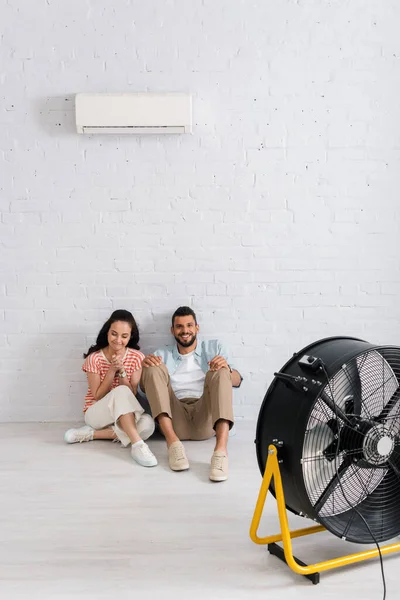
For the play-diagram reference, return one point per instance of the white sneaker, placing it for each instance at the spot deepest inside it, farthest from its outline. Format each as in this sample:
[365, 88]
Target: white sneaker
[142, 454]
[82, 434]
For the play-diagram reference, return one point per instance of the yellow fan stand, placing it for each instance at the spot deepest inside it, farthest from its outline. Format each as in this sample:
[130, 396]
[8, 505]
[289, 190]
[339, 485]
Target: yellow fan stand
[285, 553]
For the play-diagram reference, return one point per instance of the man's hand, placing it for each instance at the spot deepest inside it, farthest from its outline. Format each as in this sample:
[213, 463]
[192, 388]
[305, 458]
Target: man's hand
[217, 363]
[151, 361]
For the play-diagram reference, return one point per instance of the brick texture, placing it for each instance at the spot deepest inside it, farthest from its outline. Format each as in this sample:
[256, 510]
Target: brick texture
[278, 220]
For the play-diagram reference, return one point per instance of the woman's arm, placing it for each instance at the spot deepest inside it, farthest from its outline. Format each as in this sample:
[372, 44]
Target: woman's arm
[134, 381]
[100, 389]
[136, 375]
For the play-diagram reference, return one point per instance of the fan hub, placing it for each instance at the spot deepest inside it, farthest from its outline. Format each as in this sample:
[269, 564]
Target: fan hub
[377, 445]
[385, 445]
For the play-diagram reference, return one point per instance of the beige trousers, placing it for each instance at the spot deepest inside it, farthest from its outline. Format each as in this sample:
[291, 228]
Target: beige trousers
[120, 401]
[192, 418]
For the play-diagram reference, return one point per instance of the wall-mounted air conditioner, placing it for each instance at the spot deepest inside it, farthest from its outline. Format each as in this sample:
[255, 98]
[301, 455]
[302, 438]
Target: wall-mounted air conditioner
[134, 113]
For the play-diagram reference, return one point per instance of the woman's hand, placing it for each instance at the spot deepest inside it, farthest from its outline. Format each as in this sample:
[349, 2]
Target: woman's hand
[117, 363]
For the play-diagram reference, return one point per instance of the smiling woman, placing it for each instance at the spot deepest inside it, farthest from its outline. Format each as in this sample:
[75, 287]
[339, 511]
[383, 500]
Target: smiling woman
[113, 366]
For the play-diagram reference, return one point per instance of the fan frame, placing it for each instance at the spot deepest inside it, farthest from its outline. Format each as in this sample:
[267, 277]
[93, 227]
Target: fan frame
[336, 352]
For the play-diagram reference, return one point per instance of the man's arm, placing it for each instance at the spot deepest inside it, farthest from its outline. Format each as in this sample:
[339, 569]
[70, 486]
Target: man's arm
[236, 378]
[156, 359]
[151, 360]
[220, 362]
[235, 375]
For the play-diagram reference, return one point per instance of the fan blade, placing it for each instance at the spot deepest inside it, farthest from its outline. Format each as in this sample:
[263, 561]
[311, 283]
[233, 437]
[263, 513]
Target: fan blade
[333, 483]
[316, 466]
[334, 408]
[394, 467]
[389, 406]
[316, 441]
[353, 377]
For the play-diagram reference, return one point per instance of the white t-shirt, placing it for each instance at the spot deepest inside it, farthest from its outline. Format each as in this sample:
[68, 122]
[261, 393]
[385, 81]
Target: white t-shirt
[188, 379]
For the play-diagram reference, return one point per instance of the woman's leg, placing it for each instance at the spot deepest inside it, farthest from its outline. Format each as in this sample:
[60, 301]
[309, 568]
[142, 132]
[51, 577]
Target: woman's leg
[128, 425]
[126, 412]
[145, 426]
[88, 434]
[104, 434]
[120, 407]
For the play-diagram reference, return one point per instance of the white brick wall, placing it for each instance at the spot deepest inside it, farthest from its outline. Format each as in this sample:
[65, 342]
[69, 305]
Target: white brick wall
[277, 220]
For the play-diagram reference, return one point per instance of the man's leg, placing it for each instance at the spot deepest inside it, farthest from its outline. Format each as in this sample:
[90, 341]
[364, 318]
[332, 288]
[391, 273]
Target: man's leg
[222, 433]
[214, 413]
[170, 413]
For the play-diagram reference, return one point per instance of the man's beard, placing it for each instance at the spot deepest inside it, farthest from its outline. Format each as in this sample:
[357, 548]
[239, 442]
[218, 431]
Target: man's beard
[188, 342]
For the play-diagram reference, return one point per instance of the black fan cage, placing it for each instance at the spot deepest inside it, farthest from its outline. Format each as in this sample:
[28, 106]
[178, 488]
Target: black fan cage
[334, 411]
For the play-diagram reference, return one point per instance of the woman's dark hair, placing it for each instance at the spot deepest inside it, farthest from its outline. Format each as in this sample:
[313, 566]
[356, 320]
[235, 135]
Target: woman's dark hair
[184, 311]
[117, 315]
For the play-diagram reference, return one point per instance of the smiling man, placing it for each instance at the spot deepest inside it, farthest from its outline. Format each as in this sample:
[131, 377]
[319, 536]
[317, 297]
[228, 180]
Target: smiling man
[189, 389]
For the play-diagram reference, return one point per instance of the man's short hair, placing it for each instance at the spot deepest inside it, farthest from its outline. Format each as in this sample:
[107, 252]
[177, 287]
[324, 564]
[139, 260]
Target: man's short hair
[184, 311]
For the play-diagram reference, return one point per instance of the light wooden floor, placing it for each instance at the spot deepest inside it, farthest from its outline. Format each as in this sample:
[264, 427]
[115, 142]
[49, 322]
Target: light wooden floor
[84, 521]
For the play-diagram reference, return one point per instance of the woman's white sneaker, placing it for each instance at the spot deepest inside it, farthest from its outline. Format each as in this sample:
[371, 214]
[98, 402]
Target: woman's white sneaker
[81, 434]
[142, 454]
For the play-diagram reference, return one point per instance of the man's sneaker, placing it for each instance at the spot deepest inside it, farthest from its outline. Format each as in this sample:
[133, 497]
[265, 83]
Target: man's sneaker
[142, 454]
[82, 434]
[219, 466]
[177, 457]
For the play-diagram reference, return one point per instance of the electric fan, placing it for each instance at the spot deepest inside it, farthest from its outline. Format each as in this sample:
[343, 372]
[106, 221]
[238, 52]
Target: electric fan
[329, 426]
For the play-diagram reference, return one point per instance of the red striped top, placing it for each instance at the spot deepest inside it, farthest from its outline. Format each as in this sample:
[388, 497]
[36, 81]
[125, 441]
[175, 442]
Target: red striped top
[97, 363]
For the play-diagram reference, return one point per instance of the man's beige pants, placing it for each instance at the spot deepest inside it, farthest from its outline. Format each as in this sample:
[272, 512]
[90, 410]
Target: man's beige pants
[192, 418]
